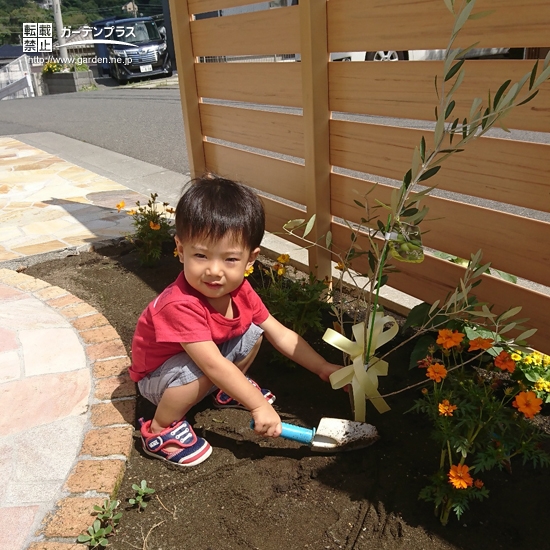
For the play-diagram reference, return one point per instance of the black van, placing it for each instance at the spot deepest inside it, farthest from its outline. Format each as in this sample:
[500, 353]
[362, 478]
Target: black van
[144, 53]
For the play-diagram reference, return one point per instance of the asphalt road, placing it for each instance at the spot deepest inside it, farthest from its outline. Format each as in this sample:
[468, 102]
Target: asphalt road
[140, 123]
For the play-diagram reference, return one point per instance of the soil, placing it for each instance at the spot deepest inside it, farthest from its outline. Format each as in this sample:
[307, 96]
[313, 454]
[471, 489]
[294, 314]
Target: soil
[271, 494]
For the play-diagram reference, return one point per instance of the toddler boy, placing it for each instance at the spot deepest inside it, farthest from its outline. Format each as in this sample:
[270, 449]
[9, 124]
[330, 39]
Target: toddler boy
[202, 333]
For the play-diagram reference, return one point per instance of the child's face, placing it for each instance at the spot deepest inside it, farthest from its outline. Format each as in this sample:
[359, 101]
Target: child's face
[215, 268]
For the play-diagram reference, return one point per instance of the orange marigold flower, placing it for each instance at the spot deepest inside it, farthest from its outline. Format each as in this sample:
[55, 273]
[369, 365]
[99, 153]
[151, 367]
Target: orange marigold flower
[459, 477]
[154, 226]
[436, 372]
[478, 484]
[120, 205]
[528, 403]
[505, 362]
[449, 338]
[424, 391]
[480, 343]
[446, 409]
[249, 271]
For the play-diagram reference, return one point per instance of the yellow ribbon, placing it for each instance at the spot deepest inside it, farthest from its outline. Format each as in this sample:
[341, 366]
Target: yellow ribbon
[363, 378]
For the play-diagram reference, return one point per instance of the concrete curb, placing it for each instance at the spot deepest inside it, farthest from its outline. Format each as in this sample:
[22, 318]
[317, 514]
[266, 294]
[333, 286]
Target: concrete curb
[107, 437]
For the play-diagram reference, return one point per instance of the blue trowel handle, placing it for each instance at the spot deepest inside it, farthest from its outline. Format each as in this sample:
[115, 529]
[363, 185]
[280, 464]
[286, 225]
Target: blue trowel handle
[295, 433]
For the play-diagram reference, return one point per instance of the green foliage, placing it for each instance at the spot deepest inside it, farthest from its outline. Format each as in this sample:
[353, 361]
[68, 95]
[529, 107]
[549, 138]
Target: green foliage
[297, 304]
[461, 261]
[107, 520]
[479, 414]
[96, 536]
[79, 67]
[142, 495]
[107, 513]
[152, 228]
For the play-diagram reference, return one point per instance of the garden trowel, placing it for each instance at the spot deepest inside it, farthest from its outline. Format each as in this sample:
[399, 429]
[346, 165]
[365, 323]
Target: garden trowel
[332, 435]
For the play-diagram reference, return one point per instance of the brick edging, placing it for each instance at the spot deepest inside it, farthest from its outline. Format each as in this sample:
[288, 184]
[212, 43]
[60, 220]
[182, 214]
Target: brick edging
[108, 433]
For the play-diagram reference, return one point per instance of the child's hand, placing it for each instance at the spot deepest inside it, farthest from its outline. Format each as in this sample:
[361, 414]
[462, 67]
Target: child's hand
[266, 421]
[327, 369]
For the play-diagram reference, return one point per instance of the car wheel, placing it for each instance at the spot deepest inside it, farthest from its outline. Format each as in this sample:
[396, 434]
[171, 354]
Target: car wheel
[382, 55]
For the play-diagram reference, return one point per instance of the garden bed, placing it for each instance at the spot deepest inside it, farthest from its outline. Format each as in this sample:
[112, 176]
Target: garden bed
[270, 494]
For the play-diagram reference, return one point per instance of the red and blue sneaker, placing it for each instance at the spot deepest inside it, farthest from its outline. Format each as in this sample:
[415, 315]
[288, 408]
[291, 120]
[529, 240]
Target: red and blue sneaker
[192, 450]
[224, 401]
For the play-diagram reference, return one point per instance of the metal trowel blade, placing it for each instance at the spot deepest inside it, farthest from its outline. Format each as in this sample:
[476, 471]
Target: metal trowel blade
[337, 434]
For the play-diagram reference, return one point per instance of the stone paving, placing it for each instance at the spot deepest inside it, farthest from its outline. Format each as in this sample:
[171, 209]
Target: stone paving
[48, 204]
[68, 405]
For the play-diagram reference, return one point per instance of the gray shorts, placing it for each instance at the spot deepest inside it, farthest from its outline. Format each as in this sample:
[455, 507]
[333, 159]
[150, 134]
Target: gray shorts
[180, 369]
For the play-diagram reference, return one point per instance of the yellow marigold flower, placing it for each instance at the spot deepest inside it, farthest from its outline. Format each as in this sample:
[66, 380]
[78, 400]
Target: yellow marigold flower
[528, 359]
[459, 477]
[515, 356]
[249, 271]
[481, 343]
[120, 205]
[340, 266]
[283, 259]
[528, 403]
[436, 372]
[280, 269]
[131, 212]
[542, 385]
[478, 484]
[449, 338]
[504, 361]
[154, 226]
[446, 409]
[175, 252]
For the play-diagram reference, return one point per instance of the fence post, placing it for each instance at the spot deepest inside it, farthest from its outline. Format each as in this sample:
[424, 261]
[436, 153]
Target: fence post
[185, 61]
[313, 34]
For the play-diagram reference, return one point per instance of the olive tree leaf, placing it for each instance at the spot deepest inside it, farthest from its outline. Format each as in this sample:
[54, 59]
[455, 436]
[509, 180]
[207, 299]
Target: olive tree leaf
[481, 14]
[463, 16]
[527, 334]
[309, 226]
[543, 76]
[454, 69]
[293, 224]
[528, 99]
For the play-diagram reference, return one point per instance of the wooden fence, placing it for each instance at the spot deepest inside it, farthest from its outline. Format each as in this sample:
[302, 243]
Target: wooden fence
[493, 168]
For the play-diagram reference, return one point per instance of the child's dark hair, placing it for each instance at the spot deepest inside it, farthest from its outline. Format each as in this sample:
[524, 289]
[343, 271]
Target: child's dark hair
[212, 207]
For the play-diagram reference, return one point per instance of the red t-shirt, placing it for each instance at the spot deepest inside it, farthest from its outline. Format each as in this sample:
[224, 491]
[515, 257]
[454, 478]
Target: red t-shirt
[181, 314]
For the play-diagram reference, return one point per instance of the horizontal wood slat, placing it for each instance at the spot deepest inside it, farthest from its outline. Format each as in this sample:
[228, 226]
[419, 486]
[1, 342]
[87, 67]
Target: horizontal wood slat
[277, 214]
[358, 25]
[432, 279]
[511, 243]
[256, 33]
[406, 89]
[202, 6]
[502, 170]
[278, 177]
[279, 132]
[265, 83]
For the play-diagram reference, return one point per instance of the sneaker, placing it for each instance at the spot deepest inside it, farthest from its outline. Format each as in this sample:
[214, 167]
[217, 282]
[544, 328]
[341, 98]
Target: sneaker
[192, 449]
[224, 401]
